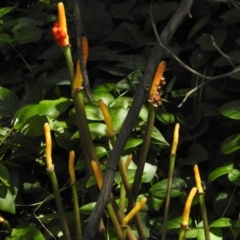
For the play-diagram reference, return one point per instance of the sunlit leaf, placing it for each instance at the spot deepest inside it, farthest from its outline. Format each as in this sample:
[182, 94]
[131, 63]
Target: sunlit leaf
[226, 168]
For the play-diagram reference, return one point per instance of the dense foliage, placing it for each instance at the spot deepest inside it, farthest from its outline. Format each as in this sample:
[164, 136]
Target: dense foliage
[34, 89]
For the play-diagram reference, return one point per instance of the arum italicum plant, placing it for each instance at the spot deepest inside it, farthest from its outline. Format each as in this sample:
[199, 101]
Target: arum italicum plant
[52, 175]
[201, 201]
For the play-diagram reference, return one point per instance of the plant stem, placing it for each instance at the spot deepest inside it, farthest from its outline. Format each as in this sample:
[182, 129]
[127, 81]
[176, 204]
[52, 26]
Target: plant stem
[144, 150]
[204, 216]
[60, 209]
[182, 233]
[170, 178]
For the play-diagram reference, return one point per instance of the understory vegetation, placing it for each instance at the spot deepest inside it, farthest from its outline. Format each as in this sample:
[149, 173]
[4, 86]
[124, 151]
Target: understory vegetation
[38, 89]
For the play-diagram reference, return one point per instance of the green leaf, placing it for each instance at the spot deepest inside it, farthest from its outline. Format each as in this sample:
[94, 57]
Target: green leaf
[234, 176]
[7, 203]
[156, 203]
[9, 102]
[123, 102]
[6, 10]
[226, 168]
[223, 61]
[100, 53]
[121, 34]
[132, 143]
[87, 208]
[202, 22]
[159, 190]
[100, 151]
[158, 138]
[28, 34]
[165, 118]
[49, 108]
[221, 222]
[93, 113]
[5, 38]
[232, 15]
[199, 57]
[118, 116]
[130, 82]
[105, 87]
[196, 153]
[206, 42]
[231, 110]
[231, 144]
[25, 231]
[4, 175]
[106, 97]
[97, 129]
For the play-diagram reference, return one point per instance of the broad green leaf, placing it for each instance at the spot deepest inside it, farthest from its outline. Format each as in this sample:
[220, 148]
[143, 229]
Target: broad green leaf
[118, 116]
[49, 108]
[123, 102]
[26, 230]
[130, 82]
[199, 57]
[234, 176]
[175, 223]
[87, 208]
[100, 151]
[36, 94]
[232, 15]
[231, 110]
[4, 175]
[231, 144]
[192, 233]
[93, 113]
[206, 42]
[5, 38]
[101, 53]
[196, 153]
[106, 97]
[165, 118]
[159, 190]
[149, 172]
[221, 222]
[202, 22]
[28, 34]
[156, 203]
[105, 87]
[144, 113]
[97, 129]
[158, 137]
[9, 102]
[6, 10]
[132, 143]
[121, 34]
[226, 168]
[112, 68]
[134, 62]
[51, 53]
[223, 61]
[7, 203]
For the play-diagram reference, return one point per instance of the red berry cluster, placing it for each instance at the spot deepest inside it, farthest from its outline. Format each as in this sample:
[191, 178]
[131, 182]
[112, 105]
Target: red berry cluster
[60, 35]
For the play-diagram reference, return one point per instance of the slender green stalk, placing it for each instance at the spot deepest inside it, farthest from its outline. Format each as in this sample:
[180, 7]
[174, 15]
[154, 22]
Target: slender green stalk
[60, 209]
[169, 188]
[170, 178]
[204, 216]
[144, 150]
[69, 62]
[122, 198]
[115, 222]
[76, 211]
[182, 233]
